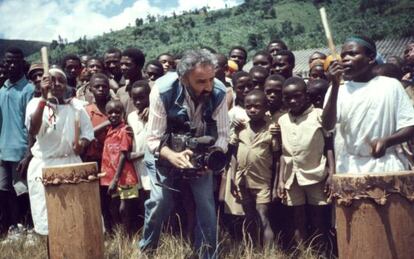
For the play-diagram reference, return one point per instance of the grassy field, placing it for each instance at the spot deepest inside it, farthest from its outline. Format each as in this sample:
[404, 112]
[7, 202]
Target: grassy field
[120, 247]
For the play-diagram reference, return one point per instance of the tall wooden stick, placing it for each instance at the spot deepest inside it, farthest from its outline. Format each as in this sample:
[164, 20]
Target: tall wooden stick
[328, 32]
[45, 62]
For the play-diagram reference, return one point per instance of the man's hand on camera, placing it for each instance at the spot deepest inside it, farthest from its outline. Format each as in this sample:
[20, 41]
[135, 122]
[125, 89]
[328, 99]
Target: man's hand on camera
[178, 159]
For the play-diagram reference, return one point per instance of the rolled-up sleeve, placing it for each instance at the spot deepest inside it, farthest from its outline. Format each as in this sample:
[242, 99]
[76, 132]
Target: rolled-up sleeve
[221, 116]
[157, 120]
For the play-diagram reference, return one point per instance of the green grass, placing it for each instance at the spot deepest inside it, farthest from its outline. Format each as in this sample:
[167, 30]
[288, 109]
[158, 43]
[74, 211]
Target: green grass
[118, 246]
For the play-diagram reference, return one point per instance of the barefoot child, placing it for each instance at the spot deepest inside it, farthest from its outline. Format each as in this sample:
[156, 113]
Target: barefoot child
[273, 91]
[120, 176]
[253, 178]
[137, 120]
[139, 93]
[99, 86]
[242, 84]
[303, 178]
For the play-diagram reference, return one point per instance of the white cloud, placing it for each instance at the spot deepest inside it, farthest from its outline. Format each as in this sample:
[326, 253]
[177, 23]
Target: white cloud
[46, 19]
[213, 4]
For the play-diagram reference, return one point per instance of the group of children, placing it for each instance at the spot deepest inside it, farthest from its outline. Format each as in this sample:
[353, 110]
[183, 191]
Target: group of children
[278, 149]
[118, 148]
[281, 151]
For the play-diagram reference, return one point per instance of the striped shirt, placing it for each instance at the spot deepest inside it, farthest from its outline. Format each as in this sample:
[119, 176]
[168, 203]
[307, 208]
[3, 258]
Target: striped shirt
[157, 121]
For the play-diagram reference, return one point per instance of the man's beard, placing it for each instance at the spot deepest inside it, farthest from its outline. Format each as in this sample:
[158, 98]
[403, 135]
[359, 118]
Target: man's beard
[204, 96]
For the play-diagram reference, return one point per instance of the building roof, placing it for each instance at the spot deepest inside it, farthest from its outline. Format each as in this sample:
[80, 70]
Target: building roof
[386, 48]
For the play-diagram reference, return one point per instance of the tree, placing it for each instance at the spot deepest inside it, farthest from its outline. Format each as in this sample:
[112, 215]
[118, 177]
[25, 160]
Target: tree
[191, 22]
[139, 22]
[255, 40]
[272, 13]
[217, 38]
[273, 32]
[379, 5]
[164, 37]
[287, 28]
[54, 44]
[151, 18]
[299, 29]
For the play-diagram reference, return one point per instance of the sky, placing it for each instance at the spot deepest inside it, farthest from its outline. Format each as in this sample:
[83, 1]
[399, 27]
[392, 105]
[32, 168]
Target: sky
[45, 20]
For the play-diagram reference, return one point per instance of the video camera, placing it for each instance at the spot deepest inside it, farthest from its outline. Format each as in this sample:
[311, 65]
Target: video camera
[205, 155]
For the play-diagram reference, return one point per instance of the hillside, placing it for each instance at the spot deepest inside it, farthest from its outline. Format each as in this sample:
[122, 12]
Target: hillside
[28, 47]
[252, 25]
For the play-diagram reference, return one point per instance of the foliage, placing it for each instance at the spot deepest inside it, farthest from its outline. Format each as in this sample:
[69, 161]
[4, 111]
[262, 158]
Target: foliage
[251, 24]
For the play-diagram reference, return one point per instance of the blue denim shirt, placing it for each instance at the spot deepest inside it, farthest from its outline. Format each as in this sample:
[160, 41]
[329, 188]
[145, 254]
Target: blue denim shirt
[13, 102]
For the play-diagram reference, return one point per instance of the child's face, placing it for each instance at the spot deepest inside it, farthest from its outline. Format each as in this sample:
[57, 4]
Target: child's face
[239, 57]
[100, 88]
[94, 66]
[316, 56]
[168, 62]
[84, 77]
[255, 107]
[36, 78]
[282, 66]
[274, 48]
[140, 97]
[243, 86]
[112, 63]
[316, 95]
[115, 111]
[128, 67]
[258, 79]
[273, 92]
[317, 72]
[153, 72]
[262, 60]
[72, 68]
[409, 53]
[294, 97]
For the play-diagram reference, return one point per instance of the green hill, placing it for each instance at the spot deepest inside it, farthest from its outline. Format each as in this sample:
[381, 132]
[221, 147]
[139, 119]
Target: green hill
[252, 25]
[28, 47]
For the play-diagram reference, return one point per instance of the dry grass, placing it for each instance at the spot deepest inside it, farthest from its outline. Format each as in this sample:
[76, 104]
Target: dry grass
[120, 247]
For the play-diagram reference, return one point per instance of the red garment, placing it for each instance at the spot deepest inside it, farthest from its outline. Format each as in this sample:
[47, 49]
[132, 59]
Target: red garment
[95, 148]
[117, 140]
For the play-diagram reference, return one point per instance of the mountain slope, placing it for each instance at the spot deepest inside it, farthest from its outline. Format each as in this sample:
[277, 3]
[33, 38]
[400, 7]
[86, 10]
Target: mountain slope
[252, 25]
[28, 47]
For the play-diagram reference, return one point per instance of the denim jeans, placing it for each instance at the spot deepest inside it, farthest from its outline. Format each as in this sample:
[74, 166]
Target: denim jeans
[160, 203]
[11, 186]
